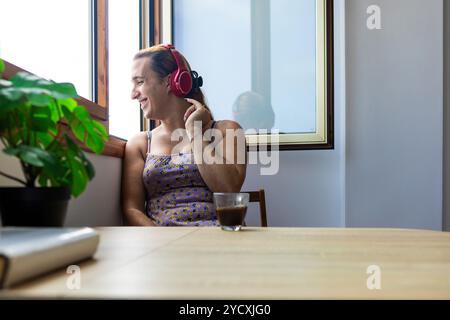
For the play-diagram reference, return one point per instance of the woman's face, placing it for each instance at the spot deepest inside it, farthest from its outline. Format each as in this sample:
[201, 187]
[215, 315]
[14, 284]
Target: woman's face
[148, 89]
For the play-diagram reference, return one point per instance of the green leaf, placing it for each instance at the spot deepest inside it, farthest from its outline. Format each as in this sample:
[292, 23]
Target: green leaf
[26, 80]
[39, 99]
[35, 156]
[91, 133]
[2, 66]
[79, 177]
[12, 94]
[45, 138]
[56, 170]
[5, 83]
[34, 91]
[11, 151]
[64, 90]
[78, 129]
[40, 119]
[49, 178]
[54, 166]
[90, 170]
[67, 113]
[100, 129]
[72, 145]
[82, 113]
[70, 104]
[95, 143]
[54, 111]
[6, 105]
[31, 158]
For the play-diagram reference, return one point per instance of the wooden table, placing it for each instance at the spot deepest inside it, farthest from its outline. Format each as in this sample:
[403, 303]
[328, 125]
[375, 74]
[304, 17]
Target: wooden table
[256, 263]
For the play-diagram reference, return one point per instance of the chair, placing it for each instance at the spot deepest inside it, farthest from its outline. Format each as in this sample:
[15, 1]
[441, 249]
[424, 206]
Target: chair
[259, 196]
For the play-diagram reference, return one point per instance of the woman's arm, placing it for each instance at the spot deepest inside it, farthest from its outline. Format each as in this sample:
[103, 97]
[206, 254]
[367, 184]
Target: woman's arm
[219, 174]
[133, 192]
[224, 170]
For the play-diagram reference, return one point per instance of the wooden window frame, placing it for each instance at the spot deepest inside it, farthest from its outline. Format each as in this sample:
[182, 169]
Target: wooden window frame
[150, 35]
[152, 31]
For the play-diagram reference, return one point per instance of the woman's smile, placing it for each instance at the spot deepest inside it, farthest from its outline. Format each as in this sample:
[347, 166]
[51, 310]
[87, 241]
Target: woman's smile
[143, 102]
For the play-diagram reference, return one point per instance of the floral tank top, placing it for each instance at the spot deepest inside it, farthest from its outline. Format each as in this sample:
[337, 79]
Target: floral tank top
[176, 194]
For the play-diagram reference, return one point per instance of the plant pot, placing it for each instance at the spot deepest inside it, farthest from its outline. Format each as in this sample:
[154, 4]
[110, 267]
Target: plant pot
[37, 207]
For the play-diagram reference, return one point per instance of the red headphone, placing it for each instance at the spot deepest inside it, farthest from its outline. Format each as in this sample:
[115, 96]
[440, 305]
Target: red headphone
[181, 78]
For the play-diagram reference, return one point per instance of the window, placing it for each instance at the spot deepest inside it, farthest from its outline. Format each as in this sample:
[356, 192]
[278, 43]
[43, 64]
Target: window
[49, 38]
[266, 64]
[124, 28]
[66, 41]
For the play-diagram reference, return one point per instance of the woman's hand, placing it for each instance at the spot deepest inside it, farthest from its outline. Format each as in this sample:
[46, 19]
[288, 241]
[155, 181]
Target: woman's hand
[196, 112]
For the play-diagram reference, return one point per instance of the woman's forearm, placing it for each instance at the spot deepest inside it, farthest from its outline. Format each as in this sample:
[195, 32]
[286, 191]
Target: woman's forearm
[136, 217]
[217, 174]
[221, 177]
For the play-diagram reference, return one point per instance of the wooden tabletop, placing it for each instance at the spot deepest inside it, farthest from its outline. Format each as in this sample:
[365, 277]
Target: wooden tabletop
[257, 263]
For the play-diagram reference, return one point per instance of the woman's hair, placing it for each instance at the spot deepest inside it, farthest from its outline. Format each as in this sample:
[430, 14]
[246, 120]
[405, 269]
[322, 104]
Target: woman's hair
[163, 63]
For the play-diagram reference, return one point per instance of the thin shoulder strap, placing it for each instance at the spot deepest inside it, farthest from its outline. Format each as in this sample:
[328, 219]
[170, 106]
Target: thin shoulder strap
[149, 139]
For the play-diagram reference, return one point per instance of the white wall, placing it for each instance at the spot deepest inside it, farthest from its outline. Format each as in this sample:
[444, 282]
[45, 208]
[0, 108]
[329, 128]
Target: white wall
[394, 115]
[99, 205]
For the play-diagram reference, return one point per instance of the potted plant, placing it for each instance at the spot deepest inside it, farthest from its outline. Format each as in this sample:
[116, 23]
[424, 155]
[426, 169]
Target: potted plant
[37, 117]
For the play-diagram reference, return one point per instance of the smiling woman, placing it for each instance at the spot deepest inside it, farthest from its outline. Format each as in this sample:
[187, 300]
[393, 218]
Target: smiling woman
[159, 187]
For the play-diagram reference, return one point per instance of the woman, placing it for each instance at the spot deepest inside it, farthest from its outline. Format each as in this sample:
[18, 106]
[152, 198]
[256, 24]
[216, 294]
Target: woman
[158, 186]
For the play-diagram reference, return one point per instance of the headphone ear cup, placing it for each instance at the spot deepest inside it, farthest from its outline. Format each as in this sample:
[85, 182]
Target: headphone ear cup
[181, 79]
[184, 83]
[180, 83]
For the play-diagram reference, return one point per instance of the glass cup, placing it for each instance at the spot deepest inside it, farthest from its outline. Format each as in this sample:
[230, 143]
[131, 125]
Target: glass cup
[231, 209]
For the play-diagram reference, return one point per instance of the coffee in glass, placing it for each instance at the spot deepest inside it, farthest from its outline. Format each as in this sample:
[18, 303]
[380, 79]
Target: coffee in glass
[231, 209]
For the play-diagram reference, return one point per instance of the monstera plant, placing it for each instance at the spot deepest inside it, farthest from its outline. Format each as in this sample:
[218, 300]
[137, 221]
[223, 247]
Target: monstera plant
[40, 125]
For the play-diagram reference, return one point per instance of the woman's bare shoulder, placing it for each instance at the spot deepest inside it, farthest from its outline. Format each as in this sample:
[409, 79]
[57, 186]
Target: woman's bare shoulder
[137, 143]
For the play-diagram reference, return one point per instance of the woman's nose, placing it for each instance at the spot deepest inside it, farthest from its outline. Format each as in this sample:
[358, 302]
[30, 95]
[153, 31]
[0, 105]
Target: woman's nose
[134, 94]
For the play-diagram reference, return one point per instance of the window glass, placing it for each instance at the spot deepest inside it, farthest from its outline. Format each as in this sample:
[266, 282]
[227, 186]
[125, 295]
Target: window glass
[124, 113]
[49, 38]
[257, 59]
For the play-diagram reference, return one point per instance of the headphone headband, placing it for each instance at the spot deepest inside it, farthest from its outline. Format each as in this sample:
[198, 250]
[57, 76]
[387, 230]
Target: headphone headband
[182, 81]
[176, 55]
